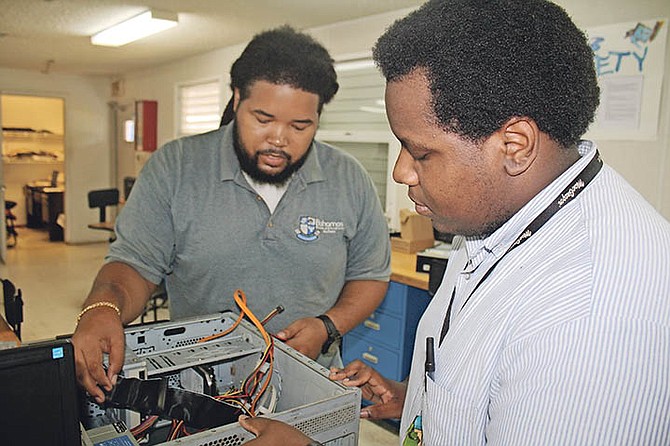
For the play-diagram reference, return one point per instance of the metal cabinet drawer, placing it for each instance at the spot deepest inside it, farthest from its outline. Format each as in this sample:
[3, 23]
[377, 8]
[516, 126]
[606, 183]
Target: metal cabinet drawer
[381, 328]
[394, 302]
[380, 358]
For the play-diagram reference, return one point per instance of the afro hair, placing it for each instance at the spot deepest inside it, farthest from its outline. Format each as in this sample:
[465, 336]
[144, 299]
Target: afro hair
[490, 60]
[284, 56]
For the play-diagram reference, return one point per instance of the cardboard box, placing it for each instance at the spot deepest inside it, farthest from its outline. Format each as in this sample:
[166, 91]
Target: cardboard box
[400, 244]
[414, 226]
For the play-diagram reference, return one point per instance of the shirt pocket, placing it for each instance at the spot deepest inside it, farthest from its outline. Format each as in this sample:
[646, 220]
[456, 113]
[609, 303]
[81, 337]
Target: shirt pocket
[448, 419]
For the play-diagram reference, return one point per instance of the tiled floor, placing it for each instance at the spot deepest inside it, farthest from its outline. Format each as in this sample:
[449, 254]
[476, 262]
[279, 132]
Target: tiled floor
[55, 278]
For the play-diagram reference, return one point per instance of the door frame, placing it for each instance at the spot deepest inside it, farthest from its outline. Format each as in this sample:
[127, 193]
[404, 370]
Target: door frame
[37, 94]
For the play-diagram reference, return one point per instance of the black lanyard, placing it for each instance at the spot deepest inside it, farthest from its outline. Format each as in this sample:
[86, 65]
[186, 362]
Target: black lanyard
[567, 195]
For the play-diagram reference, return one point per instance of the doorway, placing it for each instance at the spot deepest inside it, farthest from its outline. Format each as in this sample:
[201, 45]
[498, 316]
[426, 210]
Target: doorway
[33, 161]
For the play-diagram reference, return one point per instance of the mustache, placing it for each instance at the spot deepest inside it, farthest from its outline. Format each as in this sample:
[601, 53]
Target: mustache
[274, 152]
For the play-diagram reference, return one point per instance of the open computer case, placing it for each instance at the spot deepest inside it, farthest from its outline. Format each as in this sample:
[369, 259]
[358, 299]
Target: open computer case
[216, 355]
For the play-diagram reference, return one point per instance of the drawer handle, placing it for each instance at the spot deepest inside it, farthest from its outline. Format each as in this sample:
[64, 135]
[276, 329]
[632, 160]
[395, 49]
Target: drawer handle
[372, 358]
[373, 325]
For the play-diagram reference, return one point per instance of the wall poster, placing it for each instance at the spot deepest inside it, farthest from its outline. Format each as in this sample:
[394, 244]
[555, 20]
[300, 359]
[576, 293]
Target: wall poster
[629, 60]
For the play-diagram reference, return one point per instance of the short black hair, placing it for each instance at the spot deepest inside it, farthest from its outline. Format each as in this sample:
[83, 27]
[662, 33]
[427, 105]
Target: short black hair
[284, 56]
[490, 60]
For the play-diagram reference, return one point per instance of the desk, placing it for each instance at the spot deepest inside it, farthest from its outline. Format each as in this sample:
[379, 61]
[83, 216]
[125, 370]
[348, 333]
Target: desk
[6, 333]
[43, 205]
[403, 270]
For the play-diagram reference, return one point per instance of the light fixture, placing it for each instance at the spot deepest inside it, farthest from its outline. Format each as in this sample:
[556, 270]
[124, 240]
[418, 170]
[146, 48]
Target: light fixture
[142, 25]
[355, 64]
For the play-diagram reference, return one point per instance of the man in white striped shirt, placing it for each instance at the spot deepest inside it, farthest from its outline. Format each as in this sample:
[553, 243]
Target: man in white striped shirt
[552, 322]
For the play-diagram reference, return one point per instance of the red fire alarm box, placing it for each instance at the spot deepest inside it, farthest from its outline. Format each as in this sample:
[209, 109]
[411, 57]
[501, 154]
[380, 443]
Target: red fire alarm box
[146, 115]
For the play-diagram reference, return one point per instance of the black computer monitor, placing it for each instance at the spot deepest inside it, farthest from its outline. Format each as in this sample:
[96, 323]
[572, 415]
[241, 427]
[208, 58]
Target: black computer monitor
[38, 395]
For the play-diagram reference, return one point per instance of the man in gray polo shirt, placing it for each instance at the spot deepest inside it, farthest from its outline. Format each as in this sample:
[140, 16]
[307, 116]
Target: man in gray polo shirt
[257, 205]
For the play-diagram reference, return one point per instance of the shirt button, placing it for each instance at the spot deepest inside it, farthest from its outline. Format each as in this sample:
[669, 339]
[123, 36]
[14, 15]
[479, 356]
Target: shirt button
[270, 225]
[467, 276]
[258, 197]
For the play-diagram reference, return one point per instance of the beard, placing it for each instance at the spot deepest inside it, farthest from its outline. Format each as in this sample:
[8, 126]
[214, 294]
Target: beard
[249, 164]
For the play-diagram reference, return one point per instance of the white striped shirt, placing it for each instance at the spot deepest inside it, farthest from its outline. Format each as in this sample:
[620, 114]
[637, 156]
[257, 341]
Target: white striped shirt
[567, 342]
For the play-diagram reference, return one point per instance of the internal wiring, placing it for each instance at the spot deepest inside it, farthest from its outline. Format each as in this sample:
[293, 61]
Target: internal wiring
[141, 429]
[223, 333]
[247, 397]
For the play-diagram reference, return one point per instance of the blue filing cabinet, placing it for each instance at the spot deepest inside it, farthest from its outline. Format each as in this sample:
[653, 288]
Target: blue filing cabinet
[385, 340]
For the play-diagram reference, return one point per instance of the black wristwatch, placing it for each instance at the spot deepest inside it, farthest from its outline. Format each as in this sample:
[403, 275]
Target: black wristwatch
[334, 336]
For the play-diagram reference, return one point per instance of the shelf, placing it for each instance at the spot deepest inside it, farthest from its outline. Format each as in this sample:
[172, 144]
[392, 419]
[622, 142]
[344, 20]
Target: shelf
[15, 136]
[13, 162]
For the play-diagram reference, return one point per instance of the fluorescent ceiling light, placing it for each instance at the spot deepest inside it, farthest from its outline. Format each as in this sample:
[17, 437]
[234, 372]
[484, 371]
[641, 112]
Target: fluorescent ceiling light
[377, 110]
[135, 28]
[350, 65]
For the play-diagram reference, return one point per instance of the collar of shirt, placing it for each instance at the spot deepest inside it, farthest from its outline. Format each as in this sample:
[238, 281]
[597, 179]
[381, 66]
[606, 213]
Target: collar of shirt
[310, 172]
[494, 246]
[483, 253]
[271, 193]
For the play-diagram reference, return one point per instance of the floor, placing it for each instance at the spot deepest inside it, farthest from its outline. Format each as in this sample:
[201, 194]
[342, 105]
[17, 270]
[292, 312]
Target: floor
[54, 279]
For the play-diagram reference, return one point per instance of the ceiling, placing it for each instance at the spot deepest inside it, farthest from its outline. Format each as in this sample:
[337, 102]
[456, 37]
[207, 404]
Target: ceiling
[52, 36]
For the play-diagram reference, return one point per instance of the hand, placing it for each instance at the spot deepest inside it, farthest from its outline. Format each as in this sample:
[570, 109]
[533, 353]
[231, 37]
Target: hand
[306, 335]
[99, 331]
[387, 396]
[273, 433]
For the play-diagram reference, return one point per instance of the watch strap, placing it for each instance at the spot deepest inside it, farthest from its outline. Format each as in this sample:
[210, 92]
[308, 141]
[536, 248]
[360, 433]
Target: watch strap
[333, 334]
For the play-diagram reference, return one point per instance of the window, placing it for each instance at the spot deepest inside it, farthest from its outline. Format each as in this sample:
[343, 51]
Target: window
[377, 151]
[355, 121]
[199, 107]
[359, 103]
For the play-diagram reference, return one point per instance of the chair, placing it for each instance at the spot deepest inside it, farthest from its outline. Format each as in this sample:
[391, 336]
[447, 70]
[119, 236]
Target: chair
[13, 303]
[158, 300]
[101, 199]
[10, 219]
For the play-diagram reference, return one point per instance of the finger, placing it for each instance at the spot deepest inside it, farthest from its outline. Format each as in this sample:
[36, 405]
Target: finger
[336, 374]
[291, 330]
[89, 383]
[350, 369]
[253, 425]
[376, 394]
[116, 357]
[93, 359]
[351, 375]
[283, 335]
[287, 333]
[356, 379]
[382, 411]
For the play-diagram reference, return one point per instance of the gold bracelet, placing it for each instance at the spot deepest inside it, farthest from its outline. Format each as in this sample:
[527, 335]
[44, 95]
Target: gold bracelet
[98, 305]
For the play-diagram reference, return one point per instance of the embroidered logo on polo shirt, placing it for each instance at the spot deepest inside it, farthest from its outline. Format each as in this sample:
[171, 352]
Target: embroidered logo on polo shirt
[309, 228]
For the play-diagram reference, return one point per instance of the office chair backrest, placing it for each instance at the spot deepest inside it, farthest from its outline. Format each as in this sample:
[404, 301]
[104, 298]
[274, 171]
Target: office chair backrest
[128, 183]
[13, 304]
[102, 198]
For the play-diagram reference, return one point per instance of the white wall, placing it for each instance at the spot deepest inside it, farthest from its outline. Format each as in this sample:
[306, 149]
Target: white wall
[87, 144]
[646, 165]
[159, 83]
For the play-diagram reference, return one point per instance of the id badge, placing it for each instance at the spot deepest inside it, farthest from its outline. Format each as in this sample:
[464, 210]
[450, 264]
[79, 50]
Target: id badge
[414, 434]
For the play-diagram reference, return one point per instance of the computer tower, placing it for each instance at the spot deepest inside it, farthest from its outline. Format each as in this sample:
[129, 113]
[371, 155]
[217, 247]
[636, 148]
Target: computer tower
[299, 394]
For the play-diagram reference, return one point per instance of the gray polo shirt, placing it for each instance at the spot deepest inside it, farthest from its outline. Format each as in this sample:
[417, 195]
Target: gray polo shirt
[193, 220]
